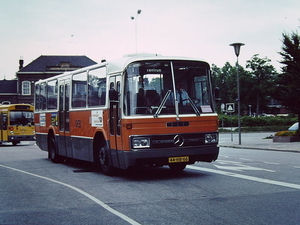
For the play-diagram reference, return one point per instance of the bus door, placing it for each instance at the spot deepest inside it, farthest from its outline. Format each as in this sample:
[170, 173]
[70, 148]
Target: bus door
[64, 119]
[3, 127]
[115, 118]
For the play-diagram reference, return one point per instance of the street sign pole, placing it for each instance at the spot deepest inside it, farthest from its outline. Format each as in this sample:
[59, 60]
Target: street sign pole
[230, 108]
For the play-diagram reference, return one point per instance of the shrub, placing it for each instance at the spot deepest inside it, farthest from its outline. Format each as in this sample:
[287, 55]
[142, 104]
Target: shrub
[287, 133]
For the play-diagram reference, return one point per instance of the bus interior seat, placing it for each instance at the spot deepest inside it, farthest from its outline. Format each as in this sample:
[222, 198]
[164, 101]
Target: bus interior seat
[152, 97]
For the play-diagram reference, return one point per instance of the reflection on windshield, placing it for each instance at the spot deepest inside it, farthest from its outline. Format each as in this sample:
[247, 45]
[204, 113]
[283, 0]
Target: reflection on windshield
[21, 118]
[167, 88]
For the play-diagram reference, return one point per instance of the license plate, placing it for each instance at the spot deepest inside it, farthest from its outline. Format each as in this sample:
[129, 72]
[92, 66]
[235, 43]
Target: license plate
[179, 159]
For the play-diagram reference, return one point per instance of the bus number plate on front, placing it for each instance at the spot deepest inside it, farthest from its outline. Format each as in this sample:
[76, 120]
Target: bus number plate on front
[178, 159]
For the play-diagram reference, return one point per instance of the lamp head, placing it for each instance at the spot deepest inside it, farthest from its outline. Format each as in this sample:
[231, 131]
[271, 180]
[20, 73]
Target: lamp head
[237, 47]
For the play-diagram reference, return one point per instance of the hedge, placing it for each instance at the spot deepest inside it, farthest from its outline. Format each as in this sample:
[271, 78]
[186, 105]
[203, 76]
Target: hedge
[247, 121]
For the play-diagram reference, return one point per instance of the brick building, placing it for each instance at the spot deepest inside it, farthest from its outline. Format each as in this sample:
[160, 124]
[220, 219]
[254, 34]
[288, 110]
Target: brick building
[21, 90]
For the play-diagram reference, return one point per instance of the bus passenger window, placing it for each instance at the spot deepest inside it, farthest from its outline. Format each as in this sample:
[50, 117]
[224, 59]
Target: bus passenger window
[79, 84]
[97, 87]
[52, 94]
[37, 97]
[43, 96]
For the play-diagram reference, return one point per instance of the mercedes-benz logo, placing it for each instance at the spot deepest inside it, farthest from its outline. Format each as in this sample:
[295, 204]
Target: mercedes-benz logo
[178, 140]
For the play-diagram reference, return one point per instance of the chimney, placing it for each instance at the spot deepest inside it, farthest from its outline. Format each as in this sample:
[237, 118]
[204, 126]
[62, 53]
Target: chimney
[21, 62]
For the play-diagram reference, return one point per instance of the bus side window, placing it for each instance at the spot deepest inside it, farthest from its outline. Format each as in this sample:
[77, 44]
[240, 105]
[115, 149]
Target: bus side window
[79, 85]
[37, 97]
[97, 87]
[5, 121]
[52, 94]
[42, 99]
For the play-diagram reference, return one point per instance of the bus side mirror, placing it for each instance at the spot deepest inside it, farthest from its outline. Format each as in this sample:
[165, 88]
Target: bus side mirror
[217, 94]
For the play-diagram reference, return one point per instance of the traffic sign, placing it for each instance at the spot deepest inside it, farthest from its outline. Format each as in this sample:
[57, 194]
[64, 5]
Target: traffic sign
[230, 107]
[223, 107]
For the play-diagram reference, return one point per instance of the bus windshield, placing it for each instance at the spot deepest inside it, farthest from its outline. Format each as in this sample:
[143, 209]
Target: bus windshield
[167, 88]
[21, 118]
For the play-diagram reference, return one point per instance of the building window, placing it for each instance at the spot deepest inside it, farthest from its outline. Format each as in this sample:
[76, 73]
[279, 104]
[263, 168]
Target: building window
[26, 88]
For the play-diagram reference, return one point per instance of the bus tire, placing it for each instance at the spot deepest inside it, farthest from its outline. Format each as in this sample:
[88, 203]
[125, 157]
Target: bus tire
[55, 158]
[104, 161]
[177, 167]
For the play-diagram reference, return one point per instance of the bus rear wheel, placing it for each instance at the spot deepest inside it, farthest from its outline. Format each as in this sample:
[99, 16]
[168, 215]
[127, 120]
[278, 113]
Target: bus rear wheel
[104, 161]
[177, 167]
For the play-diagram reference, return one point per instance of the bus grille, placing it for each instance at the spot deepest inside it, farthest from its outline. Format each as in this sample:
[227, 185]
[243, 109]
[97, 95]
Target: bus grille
[177, 140]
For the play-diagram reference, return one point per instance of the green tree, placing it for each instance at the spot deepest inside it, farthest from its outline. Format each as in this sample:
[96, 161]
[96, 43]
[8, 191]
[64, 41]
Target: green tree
[262, 75]
[226, 79]
[288, 82]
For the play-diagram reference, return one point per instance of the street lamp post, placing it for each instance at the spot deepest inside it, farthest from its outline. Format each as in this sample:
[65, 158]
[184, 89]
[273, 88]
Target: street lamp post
[250, 110]
[237, 47]
[137, 13]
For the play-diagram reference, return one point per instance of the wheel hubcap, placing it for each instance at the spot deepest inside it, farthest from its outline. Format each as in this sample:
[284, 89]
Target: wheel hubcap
[102, 156]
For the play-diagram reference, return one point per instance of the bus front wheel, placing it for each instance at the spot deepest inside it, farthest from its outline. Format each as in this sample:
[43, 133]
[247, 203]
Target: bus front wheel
[15, 143]
[55, 158]
[104, 161]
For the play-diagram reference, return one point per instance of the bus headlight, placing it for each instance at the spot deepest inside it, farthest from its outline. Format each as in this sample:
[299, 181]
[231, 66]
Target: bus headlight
[211, 138]
[140, 142]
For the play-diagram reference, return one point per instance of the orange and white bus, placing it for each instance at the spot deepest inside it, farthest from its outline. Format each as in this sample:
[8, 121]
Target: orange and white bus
[16, 123]
[128, 112]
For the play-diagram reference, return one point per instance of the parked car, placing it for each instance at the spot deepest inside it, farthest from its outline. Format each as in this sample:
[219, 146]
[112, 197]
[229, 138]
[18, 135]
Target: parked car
[295, 126]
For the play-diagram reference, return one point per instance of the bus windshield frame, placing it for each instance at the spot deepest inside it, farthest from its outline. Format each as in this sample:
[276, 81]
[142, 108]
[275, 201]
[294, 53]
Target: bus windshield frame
[167, 87]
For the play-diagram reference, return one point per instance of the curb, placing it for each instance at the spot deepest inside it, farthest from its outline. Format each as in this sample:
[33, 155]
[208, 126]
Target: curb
[258, 148]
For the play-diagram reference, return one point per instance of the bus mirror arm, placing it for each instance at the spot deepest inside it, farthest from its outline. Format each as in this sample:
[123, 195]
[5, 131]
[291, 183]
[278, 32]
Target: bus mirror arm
[113, 95]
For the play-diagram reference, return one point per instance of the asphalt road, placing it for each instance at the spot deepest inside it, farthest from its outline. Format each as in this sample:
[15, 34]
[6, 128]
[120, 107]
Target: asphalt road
[241, 187]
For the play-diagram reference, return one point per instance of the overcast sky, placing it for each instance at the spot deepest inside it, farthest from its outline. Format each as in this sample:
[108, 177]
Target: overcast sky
[104, 29]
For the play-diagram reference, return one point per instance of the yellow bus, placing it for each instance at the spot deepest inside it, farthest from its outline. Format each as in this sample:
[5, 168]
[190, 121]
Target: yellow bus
[138, 110]
[16, 123]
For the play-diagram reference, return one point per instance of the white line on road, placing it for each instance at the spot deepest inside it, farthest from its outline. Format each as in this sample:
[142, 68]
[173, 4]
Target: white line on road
[245, 159]
[237, 166]
[102, 204]
[271, 163]
[257, 179]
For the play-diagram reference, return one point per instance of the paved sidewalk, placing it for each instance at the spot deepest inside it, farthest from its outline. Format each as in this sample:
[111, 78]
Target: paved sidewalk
[256, 140]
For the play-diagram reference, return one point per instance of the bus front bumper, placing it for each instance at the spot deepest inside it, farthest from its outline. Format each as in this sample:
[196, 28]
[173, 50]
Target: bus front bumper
[18, 138]
[162, 156]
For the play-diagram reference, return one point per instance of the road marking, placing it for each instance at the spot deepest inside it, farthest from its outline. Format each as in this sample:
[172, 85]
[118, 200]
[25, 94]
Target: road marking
[102, 204]
[271, 163]
[298, 167]
[237, 166]
[245, 159]
[245, 177]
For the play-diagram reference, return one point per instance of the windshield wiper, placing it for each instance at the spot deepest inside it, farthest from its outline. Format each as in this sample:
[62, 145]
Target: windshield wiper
[194, 106]
[163, 102]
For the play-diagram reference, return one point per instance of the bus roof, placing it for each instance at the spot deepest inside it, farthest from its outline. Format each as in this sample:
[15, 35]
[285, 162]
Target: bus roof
[118, 65]
[16, 106]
